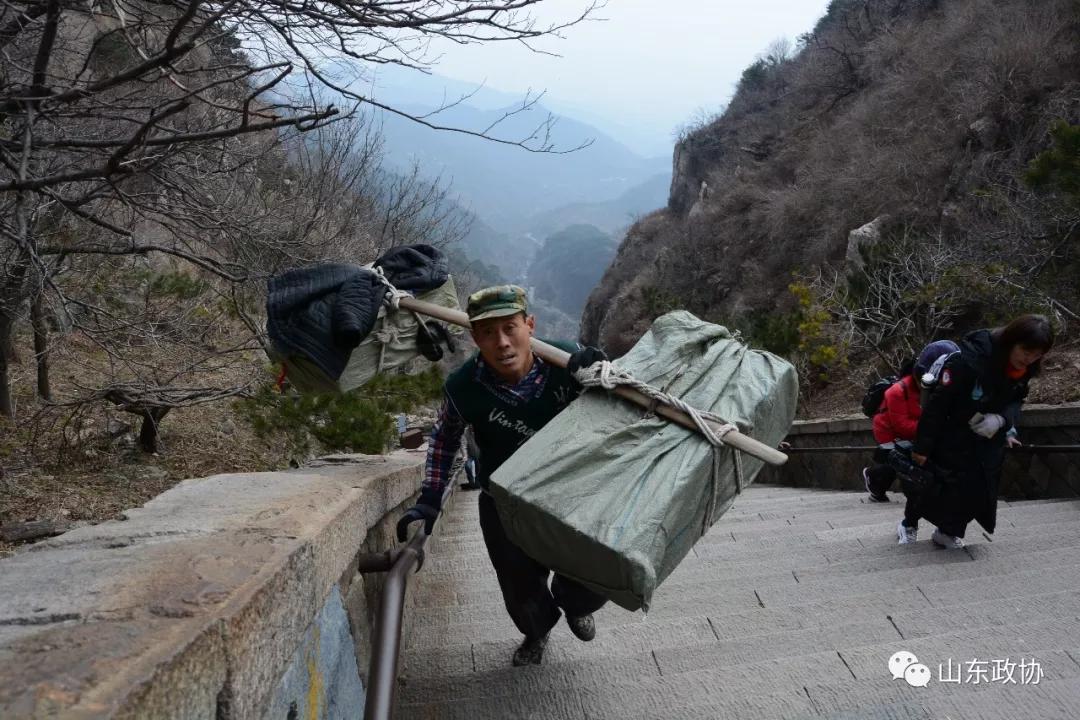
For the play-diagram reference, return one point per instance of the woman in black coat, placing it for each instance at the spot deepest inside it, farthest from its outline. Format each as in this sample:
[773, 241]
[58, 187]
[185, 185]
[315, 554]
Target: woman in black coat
[970, 419]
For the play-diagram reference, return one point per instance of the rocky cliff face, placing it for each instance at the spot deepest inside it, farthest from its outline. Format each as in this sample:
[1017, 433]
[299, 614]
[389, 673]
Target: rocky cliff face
[918, 116]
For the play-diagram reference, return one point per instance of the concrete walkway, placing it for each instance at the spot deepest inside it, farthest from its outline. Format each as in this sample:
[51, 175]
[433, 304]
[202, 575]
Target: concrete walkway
[790, 607]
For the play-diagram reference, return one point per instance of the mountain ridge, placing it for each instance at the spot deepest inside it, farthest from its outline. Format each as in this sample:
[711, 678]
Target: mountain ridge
[506, 184]
[898, 135]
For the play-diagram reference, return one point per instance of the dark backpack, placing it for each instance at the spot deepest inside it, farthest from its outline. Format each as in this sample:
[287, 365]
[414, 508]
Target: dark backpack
[875, 395]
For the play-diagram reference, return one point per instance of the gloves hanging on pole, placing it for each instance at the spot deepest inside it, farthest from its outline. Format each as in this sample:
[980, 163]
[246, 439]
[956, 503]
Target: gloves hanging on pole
[986, 425]
[430, 336]
[426, 508]
[585, 357]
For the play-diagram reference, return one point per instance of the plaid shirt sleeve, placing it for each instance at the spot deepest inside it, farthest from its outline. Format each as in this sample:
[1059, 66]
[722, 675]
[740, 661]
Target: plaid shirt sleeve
[443, 446]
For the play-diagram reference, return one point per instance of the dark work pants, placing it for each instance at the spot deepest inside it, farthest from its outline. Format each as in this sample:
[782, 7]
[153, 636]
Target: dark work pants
[533, 607]
[911, 511]
[881, 474]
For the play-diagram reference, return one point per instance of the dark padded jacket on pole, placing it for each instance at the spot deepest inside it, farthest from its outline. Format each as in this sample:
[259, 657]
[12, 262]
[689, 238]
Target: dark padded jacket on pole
[323, 311]
[416, 268]
[974, 381]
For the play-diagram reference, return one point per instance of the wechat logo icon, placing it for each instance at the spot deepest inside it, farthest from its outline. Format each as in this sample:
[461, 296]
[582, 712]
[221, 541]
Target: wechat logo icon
[903, 665]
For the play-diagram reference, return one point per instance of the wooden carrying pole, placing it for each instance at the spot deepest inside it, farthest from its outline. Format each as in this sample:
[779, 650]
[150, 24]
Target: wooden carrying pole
[560, 357]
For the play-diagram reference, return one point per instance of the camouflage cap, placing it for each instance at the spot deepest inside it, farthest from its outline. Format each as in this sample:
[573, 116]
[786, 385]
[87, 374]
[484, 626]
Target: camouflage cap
[498, 301]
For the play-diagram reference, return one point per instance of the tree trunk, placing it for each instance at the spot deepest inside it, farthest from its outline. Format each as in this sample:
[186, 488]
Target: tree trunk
[7, 406]
[41, 347]
[12, 294]
[148, 433]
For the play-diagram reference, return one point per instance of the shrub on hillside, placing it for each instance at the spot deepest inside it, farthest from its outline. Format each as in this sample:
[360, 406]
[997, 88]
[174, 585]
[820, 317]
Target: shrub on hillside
[359, 421]
[911, 291]
[777, 332]
[1058, 168]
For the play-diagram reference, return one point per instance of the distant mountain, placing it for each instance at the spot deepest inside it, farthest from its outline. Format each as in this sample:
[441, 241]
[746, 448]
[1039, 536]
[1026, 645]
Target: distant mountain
[645, 136]
[518, 197]
[611, 216]
[505, 184]
[569, 265]
[552, 323]
[509, 253]
[470, 275]
[395, 85]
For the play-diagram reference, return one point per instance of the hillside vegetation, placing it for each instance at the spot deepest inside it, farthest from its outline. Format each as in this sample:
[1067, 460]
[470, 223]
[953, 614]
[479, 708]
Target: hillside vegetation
[945, 130]
[160, 163]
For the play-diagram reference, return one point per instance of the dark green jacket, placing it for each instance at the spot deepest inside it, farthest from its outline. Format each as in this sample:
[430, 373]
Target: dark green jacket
[502, 422]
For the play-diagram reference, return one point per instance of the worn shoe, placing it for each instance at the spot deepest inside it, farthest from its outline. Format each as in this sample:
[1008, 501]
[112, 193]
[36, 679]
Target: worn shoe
[583, 627]
[530, 652]
[907, 535]
[949, 542]
[866, 482]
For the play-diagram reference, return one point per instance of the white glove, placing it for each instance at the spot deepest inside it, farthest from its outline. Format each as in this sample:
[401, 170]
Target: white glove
[986, 425]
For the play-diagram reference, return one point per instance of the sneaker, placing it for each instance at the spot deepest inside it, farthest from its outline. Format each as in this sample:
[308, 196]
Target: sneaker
[907, 535]
[583, 627]
[949, 542]
[866, 482]
[530, 652]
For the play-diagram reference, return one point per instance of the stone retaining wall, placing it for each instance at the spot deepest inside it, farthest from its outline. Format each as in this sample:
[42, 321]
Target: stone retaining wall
[229, 597]
[235, 597]
[1027, 475]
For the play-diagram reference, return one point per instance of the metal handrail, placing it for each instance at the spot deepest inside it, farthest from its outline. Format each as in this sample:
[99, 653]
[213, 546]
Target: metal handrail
[399, 563]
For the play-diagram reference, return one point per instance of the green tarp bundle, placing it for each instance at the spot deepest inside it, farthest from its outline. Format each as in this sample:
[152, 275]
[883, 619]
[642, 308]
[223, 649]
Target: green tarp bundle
[391, 345]
[614, 497]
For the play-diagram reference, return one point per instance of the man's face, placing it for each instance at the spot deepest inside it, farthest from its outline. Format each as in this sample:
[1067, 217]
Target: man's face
[504, 344]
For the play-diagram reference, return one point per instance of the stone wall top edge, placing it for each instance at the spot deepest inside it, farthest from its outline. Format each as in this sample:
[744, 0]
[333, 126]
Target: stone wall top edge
[272, 501]
[1034, 415]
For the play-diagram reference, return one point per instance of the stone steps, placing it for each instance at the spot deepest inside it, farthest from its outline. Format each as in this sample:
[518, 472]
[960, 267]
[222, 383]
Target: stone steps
[737, 559]
[855, 674]
[789, 607]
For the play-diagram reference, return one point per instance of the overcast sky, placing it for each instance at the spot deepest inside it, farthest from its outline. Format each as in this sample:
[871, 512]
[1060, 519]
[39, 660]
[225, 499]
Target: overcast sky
[654, 64]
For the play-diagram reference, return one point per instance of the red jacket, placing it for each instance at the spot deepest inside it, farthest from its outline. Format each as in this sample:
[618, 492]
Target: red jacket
[899, 413]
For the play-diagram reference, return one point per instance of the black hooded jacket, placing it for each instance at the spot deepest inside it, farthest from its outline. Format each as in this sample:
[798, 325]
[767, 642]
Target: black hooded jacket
[322, 312]
[973, 381]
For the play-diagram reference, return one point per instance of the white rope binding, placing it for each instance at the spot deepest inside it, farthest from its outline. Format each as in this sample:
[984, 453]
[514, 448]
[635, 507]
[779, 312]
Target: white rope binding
[393, 302]
[393, 295]
[607, 375]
